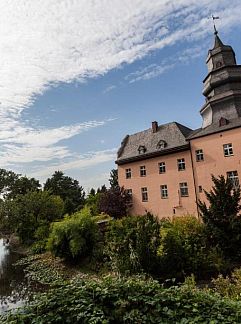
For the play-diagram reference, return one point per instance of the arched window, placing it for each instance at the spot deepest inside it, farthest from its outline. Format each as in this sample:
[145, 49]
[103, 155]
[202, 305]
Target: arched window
[161, 144]
[142, 149]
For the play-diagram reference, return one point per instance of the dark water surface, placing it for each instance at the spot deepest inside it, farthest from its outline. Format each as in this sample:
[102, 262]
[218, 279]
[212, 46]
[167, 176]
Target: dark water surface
[13, 286]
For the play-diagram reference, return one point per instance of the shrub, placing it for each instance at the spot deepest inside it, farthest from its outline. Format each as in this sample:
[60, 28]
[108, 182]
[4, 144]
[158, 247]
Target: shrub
[132, 243]
[229, 286]
[184, 249]
[74, 237]
[128, 300]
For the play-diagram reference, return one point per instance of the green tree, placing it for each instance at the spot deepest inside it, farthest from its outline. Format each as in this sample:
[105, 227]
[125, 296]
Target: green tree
[114, 178]
[114, 202]
[68, 189]
[25, 214]
[12, 184]
[75, 236]
[221, 217]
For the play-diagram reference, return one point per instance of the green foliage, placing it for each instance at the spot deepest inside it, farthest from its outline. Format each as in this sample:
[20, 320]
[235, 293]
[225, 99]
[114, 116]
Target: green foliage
[128, 300]
[26, 213]
[229, 286]
[114, 202]
[114, 178]
[75, 237]
[12, 184]
[185, 249]
[222, 216]
[68, 189]
[132, 243]
[92, 202]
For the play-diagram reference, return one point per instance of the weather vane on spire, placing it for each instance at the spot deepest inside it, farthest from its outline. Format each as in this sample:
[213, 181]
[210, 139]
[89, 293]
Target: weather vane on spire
[214, 25]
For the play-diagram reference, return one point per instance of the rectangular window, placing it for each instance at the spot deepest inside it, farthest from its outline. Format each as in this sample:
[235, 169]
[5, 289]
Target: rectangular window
[130, 197]
[162, 167]
[128, 173]
[199, 155]
[142, 171]
[144, 194]
[228, 149]
[181, 164]
[233, 176]
[164, 191]
[183, 189]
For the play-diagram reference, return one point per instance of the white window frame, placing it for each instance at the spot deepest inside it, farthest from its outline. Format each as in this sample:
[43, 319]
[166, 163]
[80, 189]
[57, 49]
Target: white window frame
[228, 149]
[199, 155]
[164, 191]
[144, 194]
[128, 173]
[130, 194]
[181, 165]
[162, 167]
[142, 171]
[233, 177]
[183, 189]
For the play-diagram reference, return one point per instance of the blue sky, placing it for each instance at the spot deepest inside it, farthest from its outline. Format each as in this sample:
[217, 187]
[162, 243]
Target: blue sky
[78, 75]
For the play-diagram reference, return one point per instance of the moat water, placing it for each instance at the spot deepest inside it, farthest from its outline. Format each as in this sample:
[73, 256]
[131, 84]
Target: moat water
[14, 289]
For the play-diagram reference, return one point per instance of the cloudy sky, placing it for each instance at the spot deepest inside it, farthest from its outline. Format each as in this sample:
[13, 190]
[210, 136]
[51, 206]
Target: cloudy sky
[76, 76]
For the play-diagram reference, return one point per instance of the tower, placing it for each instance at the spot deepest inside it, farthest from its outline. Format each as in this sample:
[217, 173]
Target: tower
[222, 86]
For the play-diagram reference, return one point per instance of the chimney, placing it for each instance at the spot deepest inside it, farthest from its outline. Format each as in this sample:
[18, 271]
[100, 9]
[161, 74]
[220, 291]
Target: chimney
[154, 126]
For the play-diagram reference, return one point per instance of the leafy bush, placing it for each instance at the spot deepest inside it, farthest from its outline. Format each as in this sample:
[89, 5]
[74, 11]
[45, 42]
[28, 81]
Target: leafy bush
[229, 286]
[74, 237]
[184, 249]
[132, 243]
[128, 300]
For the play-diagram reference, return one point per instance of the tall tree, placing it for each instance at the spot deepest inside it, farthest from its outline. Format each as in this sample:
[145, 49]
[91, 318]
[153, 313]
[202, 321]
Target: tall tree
[221, 217]
[114, 178]
[68, 189]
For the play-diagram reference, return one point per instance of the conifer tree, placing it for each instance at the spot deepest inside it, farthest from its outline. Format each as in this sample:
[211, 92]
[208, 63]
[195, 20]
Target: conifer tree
[222, 217]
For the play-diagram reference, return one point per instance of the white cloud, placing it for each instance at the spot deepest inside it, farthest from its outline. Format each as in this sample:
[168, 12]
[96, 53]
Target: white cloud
[43, 43]
[154, 70]
[84, 161]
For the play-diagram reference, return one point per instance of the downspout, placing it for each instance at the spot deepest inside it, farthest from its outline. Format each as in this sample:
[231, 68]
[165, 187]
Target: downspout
[194, 181]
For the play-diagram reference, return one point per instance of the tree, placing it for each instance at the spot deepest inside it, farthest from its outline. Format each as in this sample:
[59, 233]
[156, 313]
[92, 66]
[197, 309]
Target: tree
[114, 202]
[68, 189]
[102, 189]
[25, 214]
[114, 178]
[221, 217]
[12, 184]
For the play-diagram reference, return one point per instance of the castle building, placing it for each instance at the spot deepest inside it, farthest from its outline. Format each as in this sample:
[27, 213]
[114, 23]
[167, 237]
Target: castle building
[166, 168]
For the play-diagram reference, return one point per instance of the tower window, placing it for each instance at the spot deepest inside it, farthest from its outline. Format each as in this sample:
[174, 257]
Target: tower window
[181, 164]
[128, 173]
[142, 171]
[162, 167]
[219, 64]
[164, 191]
[144, 194]
[183, 189]
[199, 155]
[228, 149]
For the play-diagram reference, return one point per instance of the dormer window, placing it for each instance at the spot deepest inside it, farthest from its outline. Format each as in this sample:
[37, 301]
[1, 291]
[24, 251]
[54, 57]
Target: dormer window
[142, 149]
[161, 144]
[223, 121]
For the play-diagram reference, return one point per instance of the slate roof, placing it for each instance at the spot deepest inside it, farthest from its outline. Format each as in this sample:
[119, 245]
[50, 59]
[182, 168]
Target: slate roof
[215, 128]
[173, 134]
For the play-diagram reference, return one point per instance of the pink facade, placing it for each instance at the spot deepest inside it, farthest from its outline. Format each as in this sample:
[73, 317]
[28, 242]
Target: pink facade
[173, 203]
[167, 168]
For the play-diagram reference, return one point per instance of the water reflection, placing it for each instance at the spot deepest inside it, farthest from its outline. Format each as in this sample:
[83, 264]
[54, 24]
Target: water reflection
[13, 285]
